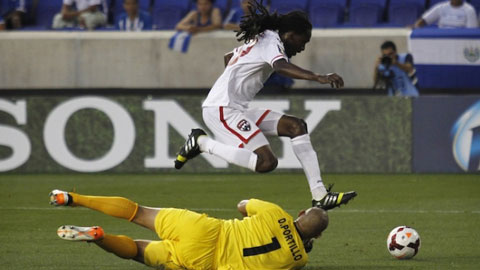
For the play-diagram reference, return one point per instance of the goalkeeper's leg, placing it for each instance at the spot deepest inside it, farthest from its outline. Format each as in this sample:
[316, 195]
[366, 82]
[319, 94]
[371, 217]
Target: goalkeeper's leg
[120, 245]
[113, 206]
[296, 129]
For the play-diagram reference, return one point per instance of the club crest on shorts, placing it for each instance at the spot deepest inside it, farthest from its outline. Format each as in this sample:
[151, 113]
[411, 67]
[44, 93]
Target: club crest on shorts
[243, 125]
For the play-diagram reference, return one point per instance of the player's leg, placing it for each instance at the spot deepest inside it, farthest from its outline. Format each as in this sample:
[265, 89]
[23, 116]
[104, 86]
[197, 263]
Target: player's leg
[279, 124]
[91, 20]
[189, 240]
[59, 22]
[296, 130]
[152, 253]
[238, 141]
[113, 206]
[120, 245]
[260, 160]
[266, 160]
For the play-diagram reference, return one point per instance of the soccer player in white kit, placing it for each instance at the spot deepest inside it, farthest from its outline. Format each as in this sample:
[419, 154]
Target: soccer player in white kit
[270, 40]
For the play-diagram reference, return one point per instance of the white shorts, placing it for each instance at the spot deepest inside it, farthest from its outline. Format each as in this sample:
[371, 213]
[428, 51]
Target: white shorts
[244, 129]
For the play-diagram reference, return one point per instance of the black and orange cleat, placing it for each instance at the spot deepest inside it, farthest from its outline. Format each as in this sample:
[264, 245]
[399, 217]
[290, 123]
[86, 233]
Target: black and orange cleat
[76, 233]
[59, 198]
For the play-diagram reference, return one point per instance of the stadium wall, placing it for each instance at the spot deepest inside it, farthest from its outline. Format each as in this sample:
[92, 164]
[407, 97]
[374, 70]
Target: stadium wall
[72, 60]
[141, 133]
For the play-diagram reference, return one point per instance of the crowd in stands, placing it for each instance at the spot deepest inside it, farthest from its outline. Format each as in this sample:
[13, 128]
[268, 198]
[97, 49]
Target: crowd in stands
[204, 15]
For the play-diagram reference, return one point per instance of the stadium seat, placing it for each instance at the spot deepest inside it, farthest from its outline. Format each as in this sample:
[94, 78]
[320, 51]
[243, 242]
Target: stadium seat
[235, 4]
[118, 7]
[285, 6]
[366, 13]
[405, 12]
[106, 8]
[327, 13]
[45, 12]
[223, 5]
[167, 13]
[476, 5]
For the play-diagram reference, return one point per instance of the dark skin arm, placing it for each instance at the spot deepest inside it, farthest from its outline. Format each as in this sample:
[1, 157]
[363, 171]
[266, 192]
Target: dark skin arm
[419, 23]
[227, 57]
[295, 72]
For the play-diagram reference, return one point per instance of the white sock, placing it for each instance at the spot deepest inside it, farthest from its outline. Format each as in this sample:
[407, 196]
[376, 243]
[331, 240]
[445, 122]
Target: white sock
[238, 156]
[303, 149]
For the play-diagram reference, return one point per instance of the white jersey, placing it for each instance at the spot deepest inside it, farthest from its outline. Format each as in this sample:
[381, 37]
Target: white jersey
[449, 16]
[247, 70]
[82, 4]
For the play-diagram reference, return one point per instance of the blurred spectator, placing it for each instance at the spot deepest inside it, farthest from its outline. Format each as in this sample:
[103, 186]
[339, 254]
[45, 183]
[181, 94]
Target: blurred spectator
[232, 20]
[133, 19]
[450, 14]
[12, 14]
[2, 24]
[395, 72]
[86, 15]
[205, 18]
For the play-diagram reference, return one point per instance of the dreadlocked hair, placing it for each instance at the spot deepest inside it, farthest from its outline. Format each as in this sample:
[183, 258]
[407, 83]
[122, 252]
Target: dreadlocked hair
[260, 19]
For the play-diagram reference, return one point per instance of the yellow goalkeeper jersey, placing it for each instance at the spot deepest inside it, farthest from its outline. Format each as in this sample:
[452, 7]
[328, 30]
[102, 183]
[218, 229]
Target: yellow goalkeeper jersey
[266, 239]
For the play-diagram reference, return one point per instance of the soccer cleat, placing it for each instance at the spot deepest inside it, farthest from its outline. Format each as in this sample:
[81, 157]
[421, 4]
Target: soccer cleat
[190, 148]
[59, 197]
[334, 199]
[75, 233]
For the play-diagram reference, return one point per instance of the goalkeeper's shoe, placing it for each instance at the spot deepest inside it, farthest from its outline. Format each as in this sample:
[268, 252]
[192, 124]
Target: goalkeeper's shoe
[75, 233]
[190, 148]
[334, 199]
[59, 197]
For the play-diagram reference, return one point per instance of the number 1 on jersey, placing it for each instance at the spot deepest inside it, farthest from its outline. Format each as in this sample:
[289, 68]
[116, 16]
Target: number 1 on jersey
[262, 249]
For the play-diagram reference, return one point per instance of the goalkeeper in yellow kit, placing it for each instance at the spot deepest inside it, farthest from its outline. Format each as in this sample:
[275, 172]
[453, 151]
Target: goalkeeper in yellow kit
[266, 238]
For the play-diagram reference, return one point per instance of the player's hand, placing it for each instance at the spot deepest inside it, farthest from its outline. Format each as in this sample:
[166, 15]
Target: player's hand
[308, 245]
[333, 79]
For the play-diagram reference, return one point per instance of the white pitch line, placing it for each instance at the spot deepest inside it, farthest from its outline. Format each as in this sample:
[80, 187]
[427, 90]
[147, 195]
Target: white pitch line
[348, 211]
[41, 208]
[419, 211]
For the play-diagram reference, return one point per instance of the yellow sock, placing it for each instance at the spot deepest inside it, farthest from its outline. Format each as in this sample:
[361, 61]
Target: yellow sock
[112, 206]
[120, 245]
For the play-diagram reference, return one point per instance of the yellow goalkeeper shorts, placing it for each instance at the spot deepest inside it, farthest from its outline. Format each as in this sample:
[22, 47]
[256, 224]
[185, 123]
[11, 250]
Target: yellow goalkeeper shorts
[188, 241]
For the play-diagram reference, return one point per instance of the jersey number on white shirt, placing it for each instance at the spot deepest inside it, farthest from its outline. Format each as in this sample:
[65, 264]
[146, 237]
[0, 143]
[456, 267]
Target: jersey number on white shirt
[245, 51]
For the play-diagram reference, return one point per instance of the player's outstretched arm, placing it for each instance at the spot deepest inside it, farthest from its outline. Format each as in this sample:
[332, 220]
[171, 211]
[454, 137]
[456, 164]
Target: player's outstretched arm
[293, 71]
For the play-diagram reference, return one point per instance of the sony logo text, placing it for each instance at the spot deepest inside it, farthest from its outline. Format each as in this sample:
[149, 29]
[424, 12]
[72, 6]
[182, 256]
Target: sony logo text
[124, 130]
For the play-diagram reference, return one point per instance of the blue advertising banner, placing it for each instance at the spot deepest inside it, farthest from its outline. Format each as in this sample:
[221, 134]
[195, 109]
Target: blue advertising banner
[446, 134]
[446, 58]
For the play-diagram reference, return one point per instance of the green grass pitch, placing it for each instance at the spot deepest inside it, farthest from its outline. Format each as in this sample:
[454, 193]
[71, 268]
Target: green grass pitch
[444, 209]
